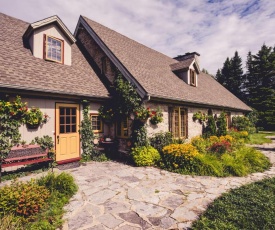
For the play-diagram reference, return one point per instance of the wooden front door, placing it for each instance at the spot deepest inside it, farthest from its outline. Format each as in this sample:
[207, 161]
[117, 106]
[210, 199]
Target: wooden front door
[66, 132]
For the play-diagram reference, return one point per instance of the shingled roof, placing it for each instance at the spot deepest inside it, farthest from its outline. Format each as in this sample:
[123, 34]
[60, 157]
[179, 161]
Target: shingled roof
[19, 69]
[152, 70]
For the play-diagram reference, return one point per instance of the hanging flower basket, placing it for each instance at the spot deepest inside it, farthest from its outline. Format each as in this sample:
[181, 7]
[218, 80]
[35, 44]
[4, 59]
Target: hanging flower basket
[33, 118]
[156, 117]
[32, 126]
[142, 114]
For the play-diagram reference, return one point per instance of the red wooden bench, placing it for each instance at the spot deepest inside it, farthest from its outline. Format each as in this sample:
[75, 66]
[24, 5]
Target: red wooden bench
[31, 154]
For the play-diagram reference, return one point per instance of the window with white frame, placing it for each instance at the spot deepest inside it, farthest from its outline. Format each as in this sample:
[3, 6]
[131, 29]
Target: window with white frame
[54, 49]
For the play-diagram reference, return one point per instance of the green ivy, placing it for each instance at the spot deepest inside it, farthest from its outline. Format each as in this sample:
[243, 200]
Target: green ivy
[125, 99]
[11, 117]
[86, 133]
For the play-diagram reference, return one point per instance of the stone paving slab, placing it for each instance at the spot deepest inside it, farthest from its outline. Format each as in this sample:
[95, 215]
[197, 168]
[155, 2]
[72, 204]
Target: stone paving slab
[112, 195]
[125, 197]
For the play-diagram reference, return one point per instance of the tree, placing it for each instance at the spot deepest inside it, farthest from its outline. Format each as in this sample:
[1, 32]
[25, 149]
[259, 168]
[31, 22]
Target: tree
[231, 76]
[260, 85]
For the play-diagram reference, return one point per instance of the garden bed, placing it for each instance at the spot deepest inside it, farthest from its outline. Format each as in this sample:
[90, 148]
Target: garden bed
[221, 156]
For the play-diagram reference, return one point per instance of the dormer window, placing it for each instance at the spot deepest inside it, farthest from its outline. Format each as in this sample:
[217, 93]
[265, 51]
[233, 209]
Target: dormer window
[54, 49]
[192, 77]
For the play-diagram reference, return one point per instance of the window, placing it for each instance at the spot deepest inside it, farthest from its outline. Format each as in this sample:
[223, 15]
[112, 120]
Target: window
[228, 120]
[178, 122]
[122, 128]
[192, 77]
[53, 49]
[97, 125]
[67, 120]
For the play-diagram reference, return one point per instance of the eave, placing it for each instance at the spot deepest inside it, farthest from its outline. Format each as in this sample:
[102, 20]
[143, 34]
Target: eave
[53, 19]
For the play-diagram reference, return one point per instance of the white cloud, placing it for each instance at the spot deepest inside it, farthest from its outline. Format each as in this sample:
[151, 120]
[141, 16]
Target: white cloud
[215, 29]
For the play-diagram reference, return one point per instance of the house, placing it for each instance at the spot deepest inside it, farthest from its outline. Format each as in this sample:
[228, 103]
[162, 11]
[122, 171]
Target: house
[52, 69]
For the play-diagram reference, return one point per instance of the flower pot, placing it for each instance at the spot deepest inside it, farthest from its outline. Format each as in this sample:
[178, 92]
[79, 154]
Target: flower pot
[32, 126]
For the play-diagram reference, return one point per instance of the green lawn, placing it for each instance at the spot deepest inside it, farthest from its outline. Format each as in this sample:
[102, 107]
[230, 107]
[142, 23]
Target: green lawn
[260, 138]
[248, 207]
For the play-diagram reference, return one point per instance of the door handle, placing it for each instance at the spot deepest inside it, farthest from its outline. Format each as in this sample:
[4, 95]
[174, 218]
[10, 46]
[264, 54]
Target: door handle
[57, 139]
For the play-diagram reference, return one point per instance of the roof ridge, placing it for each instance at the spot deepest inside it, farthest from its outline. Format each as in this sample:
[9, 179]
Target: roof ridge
[17, 19]
[147, 47]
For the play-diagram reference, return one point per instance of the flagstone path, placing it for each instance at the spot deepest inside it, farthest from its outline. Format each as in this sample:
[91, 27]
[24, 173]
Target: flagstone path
[116, 196]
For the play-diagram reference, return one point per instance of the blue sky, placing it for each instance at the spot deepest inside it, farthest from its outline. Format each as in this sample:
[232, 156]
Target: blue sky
[213, 28]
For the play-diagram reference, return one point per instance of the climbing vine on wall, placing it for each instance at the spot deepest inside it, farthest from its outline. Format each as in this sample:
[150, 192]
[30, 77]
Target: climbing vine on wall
[125, 100]
[86, 132]
[11, 117]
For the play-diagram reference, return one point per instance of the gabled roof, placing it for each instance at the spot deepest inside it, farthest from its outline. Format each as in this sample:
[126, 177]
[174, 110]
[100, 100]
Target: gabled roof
[184, 65]
[19, 69]
[151, 69]
[53, 19]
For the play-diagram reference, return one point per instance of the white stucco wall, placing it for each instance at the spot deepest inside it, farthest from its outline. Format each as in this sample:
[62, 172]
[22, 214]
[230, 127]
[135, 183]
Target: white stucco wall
[194, 127]
[36, 42]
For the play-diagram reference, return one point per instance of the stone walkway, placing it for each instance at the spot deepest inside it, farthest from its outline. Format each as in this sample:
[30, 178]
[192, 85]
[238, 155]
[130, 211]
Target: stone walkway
[117, 196]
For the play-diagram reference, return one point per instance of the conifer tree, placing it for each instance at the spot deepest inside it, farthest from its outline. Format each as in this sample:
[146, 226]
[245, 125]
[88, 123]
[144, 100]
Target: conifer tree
[231, 76]
[260, 85]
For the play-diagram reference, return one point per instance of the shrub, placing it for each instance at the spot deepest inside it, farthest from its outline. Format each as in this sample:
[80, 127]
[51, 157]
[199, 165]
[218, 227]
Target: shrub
[221, 125]
[45, 142]
[228, 138]
[242, 123]
[63, 183]
[9, 222]
[179, 155]
[145, 156]
[210, 129]
[22, 199]
[202, 144]
[159, 140]
[233, 165]
[208, 165]
[220, 147]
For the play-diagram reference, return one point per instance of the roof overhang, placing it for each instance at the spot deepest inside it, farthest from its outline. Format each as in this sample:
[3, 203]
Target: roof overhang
[181, 66]
[197, 104]
[53, 19]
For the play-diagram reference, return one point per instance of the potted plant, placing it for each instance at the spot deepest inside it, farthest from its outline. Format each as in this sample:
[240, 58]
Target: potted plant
[142, 114]
[33, 118]
[156, 117]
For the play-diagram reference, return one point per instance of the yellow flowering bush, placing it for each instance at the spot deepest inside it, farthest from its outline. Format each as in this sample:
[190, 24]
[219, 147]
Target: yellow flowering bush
[201, 144]
[179, 155]
[243, 134]
[227, 138]
[214, 139]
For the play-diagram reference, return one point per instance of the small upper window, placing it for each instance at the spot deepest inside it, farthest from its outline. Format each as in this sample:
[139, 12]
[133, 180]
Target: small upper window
[192, 77]
[53, 49]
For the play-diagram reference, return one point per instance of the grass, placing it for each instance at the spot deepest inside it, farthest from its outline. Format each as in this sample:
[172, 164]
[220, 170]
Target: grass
[260, 138]
[24, 171]
[248, 207]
